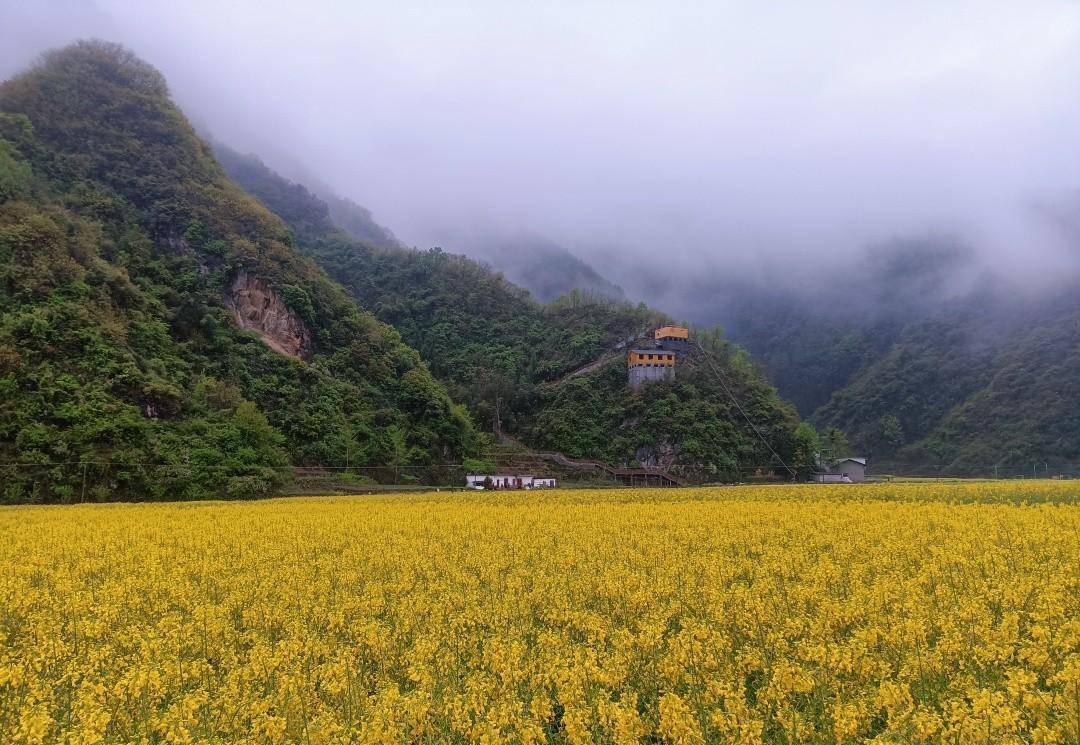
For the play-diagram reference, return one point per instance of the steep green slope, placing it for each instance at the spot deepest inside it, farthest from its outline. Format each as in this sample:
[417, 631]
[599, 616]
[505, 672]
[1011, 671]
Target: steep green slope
[989, 382]
[921, 375]
[508, 356]
[688, 425]
[542, 267]
[1027, 413]
[128, 263]
[809, 353]
[901, 395]
[817, 339]
[358, 222]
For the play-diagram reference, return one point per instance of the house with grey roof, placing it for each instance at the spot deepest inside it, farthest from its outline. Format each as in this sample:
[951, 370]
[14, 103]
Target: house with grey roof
[843, 471]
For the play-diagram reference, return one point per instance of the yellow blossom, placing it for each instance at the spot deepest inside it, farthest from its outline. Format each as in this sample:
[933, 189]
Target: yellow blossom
[921, 612]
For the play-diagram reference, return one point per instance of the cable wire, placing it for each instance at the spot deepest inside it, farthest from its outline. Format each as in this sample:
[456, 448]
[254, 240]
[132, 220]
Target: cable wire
[734, 400]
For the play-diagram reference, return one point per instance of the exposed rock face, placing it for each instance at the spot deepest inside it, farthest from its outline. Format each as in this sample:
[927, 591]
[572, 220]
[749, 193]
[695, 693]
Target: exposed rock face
[661, 456]
[178, 245]
[258, 308]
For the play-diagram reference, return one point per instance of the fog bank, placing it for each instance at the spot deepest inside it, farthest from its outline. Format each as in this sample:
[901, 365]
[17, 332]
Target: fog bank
[659, 142]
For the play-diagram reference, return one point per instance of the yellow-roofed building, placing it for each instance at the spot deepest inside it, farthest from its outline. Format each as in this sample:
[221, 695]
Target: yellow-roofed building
[672, 332]
[656, 359]
[646, 365]
[651, 358]
[676, 338]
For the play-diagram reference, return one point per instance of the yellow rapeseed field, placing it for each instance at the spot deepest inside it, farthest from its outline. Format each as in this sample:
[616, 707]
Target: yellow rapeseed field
[832, 614]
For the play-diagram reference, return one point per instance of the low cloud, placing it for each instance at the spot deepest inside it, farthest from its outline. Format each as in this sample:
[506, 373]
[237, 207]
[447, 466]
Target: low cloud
[660, 143]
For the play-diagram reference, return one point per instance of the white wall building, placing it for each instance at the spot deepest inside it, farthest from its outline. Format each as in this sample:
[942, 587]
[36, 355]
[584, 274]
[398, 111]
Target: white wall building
[510, 481]
[844, 471]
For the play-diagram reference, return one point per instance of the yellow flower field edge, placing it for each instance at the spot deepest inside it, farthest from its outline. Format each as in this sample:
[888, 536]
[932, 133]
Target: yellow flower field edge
[892, 614]
[1035, 491]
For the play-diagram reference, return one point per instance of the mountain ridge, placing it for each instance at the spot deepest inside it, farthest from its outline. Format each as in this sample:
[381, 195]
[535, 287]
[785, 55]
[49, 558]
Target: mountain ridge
[121, 333]
[506, 356]
[975, 380]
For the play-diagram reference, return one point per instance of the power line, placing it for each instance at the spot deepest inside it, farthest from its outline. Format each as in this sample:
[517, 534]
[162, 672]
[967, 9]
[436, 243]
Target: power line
[878, 465]
[724, 385]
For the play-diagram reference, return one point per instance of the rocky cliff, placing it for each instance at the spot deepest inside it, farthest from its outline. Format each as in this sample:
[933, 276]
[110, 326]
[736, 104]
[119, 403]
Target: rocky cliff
[256, 307]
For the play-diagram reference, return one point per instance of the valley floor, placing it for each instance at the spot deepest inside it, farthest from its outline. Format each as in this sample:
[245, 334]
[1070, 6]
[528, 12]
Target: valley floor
[932, 612]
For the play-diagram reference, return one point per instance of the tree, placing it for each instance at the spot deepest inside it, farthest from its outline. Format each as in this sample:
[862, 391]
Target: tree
[14, 174]
[351, 443]
[892, 434]
[834, 445]
[806, 448]
[299, 301]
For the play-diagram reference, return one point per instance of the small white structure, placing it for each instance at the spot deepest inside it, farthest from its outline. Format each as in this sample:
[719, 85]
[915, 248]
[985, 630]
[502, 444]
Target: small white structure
[844, 471]
[508, 481]
[511, 481]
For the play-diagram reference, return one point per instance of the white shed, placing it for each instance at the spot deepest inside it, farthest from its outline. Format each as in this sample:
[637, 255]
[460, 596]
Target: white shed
[844, 471]
[500, 480]
[852, 468]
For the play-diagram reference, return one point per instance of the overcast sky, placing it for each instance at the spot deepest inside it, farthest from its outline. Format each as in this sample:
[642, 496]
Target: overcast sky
[715, 136]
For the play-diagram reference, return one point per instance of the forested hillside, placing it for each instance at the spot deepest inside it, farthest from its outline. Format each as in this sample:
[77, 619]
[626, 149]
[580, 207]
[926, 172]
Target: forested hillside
[164, 334]
[921, 374]
[545, 269]
[160, 337]
[987, 382]
[508, 356]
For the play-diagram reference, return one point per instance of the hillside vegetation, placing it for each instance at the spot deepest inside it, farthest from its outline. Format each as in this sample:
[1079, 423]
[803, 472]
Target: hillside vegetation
[544, 268]
[128, 261]
[923, 377]
[508, 357]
